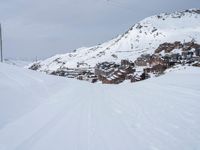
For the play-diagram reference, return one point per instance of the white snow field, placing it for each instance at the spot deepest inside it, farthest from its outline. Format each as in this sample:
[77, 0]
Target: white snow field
[41, 112]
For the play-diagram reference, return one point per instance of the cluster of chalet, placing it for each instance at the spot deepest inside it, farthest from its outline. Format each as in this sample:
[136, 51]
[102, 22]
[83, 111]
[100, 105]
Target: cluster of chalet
[86, 74]
[112, 73]
[166, 55]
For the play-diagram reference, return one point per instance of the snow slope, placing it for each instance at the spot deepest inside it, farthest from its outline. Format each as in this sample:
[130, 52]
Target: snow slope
[19, 63]
[143, 37]
[21, 90]
[65, 114]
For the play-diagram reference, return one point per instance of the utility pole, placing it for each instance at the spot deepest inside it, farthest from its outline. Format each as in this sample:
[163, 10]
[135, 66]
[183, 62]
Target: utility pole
[1, 47]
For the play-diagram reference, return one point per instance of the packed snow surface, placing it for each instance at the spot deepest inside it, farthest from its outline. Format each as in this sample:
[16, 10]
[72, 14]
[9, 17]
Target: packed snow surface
[41, 112]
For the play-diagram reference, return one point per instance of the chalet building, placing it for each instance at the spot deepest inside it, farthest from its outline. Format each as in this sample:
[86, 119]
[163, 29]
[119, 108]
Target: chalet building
[175, 57]
[158, 69]
[157, 60]
[81, 73]
[168, 47]
[111, 73]
[190, 45]
[125, 63]
[105, 68]
[143, 60]
[137, 77]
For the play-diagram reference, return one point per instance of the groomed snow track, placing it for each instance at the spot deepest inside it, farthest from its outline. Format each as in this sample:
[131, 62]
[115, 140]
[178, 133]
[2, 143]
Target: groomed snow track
[64, 114]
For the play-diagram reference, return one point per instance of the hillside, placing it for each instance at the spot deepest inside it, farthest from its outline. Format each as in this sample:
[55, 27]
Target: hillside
[41, 112]
[143, 38]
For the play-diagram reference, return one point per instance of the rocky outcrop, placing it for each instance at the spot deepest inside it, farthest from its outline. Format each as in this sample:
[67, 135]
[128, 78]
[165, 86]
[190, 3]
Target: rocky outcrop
[35, 66]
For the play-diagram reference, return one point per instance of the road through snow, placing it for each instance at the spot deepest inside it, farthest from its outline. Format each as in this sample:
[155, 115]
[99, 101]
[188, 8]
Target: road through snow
[156, 114]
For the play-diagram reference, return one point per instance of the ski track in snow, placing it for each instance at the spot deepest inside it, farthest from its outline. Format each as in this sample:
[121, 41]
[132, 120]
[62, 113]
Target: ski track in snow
[157, 114]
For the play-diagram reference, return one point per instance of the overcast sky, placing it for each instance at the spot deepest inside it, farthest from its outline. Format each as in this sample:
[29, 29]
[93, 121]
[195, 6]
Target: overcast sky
[42, 28]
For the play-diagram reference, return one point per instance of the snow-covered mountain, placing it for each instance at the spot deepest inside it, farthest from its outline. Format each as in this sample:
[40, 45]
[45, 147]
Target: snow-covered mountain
[143, 38]
[42, 112]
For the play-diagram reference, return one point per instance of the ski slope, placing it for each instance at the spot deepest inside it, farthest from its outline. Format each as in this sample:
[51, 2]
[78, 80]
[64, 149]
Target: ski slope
[41, 112]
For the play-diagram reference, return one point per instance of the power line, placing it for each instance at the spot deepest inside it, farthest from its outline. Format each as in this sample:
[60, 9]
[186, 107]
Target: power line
[1, 47]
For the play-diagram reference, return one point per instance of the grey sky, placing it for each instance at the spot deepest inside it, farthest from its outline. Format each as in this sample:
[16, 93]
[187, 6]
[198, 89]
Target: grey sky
[43, 28]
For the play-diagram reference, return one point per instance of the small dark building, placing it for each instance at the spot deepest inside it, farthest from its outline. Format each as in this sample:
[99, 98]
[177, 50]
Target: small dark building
[143, 60]
[127, 63]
